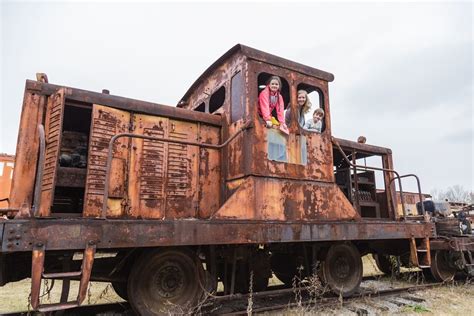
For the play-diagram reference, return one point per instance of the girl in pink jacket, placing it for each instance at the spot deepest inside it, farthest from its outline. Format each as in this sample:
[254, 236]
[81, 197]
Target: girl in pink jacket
[269, 99]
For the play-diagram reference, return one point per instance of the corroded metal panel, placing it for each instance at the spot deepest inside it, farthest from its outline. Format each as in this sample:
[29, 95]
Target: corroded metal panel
[106, 122]
[163, 179]
[182, 171]
[209, 172]
[120, 233]
[282, 199]
[27, 149]
[53, 132]
[146, 187]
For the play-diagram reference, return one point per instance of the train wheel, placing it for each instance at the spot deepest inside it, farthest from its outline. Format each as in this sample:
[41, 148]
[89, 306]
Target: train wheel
[121, 289]
[165, 282]
[342, 269]
[440, 267]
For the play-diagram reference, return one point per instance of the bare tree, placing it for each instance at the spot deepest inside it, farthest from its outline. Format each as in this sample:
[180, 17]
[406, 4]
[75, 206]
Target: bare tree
[455, 193]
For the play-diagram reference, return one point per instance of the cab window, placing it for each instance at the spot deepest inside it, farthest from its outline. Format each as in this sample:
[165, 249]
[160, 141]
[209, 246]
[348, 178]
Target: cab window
[314, 117]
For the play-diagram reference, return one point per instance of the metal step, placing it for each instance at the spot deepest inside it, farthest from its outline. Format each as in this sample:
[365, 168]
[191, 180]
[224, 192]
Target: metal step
[59, 275]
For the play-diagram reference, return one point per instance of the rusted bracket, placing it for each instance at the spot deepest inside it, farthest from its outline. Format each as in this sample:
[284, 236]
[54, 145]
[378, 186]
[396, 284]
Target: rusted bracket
[246, 126]
[398, 177]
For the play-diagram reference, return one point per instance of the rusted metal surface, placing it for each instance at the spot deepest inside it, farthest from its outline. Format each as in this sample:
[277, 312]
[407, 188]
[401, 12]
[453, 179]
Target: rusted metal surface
[397, 177]
[106, 122]
[178, 180]
[6, 170]
[262, 198]
[53, 132]
[453, 243]
[27, 149]
[40, 89]
[171, 179]
[86, 270]
[36, 273]
[118, 233]
[251, 53]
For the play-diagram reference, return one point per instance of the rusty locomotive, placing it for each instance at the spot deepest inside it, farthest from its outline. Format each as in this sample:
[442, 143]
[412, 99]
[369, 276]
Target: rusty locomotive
[182, 198]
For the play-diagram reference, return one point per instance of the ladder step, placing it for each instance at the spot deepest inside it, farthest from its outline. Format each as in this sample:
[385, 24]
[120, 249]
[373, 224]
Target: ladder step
[62, 275]
[421, 250]
[423, 267]
[57, 306]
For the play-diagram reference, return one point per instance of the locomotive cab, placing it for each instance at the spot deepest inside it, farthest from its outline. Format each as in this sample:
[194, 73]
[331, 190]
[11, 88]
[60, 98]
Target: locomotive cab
[266, 173]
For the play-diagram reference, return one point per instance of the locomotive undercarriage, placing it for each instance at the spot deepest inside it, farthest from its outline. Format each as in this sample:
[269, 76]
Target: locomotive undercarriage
[185, 262]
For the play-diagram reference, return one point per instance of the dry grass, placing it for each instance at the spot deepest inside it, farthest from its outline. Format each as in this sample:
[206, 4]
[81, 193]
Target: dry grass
[14, 296]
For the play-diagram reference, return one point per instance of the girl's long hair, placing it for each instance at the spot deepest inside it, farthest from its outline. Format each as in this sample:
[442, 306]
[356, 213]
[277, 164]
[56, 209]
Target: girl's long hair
[307, 104]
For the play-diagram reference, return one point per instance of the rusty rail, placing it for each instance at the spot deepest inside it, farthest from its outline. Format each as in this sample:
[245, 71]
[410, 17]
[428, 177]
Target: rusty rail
[130, 135]
[398, 177]
[419, 189]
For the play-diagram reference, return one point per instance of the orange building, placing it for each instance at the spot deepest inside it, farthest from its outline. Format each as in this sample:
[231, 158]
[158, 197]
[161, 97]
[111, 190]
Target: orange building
[6, 172]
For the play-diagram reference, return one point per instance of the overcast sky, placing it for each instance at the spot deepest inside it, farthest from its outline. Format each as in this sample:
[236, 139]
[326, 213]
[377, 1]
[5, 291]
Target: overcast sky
[403, 72]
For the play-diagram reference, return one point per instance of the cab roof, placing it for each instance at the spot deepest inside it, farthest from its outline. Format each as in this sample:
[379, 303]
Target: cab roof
[255, 54]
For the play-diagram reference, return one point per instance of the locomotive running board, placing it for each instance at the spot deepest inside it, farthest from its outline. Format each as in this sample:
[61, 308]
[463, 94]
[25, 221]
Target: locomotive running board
[37, 274]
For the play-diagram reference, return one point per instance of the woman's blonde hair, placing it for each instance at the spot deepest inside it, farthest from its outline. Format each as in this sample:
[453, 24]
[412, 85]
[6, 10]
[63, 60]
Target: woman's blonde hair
[307, 103]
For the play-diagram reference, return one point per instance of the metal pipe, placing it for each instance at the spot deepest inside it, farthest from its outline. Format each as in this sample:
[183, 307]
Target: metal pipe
[130, 135]
[39, 170]
[375, 168]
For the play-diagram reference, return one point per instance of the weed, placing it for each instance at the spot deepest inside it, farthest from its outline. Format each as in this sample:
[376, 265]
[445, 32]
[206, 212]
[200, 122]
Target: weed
[416, 308]
[250, 299]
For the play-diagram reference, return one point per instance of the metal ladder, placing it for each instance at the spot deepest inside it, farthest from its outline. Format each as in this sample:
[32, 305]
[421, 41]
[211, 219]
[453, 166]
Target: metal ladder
[420, 253]
[38, 274]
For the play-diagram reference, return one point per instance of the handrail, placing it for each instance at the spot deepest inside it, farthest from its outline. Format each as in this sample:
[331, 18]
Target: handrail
[379, 169]
[39, 171]
[419, 190]
[130, 135]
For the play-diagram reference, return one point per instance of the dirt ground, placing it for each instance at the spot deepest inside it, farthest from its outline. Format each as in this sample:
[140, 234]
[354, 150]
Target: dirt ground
[447, 300]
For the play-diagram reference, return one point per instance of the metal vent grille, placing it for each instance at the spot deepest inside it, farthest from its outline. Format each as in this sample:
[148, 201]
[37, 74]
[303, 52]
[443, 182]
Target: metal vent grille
[103, 131]
[55, 110]
[152, 166]
[178, 181]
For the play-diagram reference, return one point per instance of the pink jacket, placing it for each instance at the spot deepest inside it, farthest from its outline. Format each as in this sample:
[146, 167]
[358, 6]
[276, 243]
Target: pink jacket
[265, 107]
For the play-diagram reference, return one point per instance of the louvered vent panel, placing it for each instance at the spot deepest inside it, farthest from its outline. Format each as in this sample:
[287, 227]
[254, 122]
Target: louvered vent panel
[152, 166]
[178, 182]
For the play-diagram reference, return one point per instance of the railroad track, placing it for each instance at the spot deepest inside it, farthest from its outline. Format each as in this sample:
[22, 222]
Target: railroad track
[301, 298]
[273, 300]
